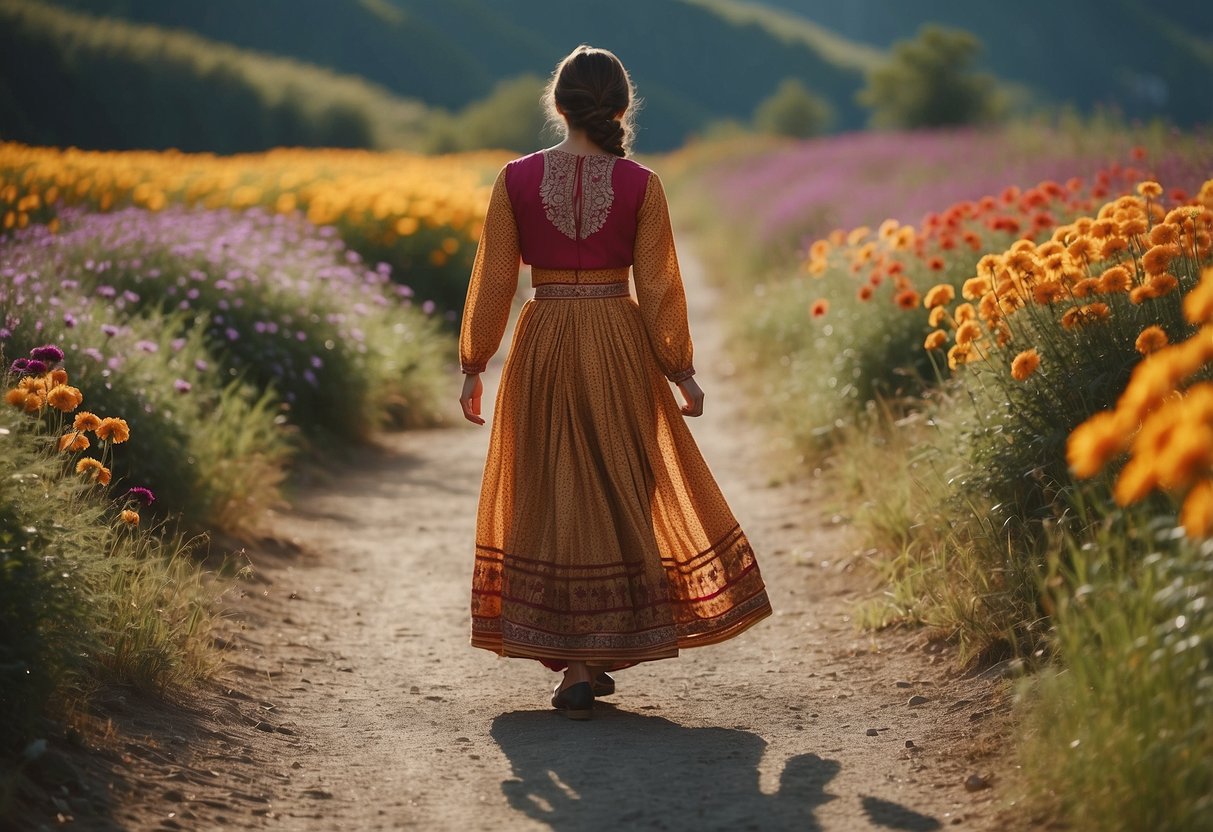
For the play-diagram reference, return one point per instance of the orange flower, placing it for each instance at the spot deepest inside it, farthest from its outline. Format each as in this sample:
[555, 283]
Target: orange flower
[130, 518]
[116, 430]
[86, 421]
[939, 295]
[1161, 285]
[58, 376]
[16, 397]
[1150, 190]
[1158, 258]
[94, 469]
[1198, 303]
[1048, 292]
[907, 299]
[1197, 513]
[967, 333]
[865, 292]
[965, 312]
[1093, 443]
[936, 263]
[819, 308]
[64, 398]
[1151, 339]
[938, 316]
[975, 287]
[33, 402]
[1025, 364]
[73, 442]
[958, 355]
[1112, 246]
[1115, 279]
[1083, 315]
[1165, 233]
[935, 340]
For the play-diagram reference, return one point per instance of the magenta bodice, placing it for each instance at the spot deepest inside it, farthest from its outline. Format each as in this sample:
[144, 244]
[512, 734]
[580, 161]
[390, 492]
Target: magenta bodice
[544, 186]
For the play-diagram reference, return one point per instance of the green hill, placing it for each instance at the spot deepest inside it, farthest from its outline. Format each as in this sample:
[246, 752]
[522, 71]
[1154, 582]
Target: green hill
[1143, 58]
[70, 78]
[696, 62]
[693, 63]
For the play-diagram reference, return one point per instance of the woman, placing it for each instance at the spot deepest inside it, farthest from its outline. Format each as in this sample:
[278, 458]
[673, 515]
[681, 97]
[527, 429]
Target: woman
[602, 539]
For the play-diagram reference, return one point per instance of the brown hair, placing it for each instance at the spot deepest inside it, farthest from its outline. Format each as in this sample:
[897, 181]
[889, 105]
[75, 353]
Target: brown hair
[589, 88]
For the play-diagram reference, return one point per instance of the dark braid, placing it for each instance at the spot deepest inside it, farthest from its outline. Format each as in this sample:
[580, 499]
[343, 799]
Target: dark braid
[594, 93]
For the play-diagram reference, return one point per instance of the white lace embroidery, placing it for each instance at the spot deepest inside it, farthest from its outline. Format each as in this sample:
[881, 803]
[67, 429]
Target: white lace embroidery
[559, 186]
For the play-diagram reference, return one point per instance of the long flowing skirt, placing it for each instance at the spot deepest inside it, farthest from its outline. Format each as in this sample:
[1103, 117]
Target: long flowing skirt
[601, 534]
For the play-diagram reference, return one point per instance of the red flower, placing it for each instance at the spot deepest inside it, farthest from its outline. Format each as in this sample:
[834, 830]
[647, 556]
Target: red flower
[819, 308]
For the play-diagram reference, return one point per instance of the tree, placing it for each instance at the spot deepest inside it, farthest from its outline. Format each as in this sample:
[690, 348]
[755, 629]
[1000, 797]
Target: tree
[930, 82]
[510, 118]
[793, 111]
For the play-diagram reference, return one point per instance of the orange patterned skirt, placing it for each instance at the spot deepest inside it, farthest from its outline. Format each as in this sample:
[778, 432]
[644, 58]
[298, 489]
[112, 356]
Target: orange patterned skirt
[601, 534]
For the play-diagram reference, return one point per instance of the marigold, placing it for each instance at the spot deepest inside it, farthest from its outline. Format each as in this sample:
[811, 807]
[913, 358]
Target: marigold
[16, 397]
[1198, 303]
[907, 299]
[64, 398]
[1082, 315]
[130, 518]
[1161, 285]
[967, 333]
[113, 429]
[58, 376]
[86, 421]
[1050, 291]
[935, 340]
[975, 287]
[939, 315]
[33, 402]
[1150, 190]
[1164, 234]
[1187, 456]
[73, 441]
[1115, 279]
[1093, 443]
[1158, 258]
[964, 312]
[940, 294]
[1151, 339]
[1082, 249]
[1196, 516]
[819, 308]
[1112, 246]
[958, 355]
[1025, 364]
[1137, 479]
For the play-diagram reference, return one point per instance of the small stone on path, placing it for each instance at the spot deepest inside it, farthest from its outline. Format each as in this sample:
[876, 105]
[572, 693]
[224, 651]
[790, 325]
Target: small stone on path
[917, 700]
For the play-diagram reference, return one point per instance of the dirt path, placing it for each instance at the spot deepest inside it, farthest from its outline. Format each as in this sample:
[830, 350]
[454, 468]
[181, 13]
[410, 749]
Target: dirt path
[353, 701]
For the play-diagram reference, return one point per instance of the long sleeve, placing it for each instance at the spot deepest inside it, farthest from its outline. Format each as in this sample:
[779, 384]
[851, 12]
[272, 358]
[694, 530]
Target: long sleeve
[493, 283]
[659, 291]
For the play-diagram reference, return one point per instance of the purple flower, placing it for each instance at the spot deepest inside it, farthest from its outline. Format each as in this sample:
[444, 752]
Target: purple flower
[144, 495]
[178, 344]
[69, 320]
[232, 334]
[109, 329]
[21, 365]
[5, 333]
[147, 346]
[106, 291]
[201, 366]
[49, 354]
[182, 386]
[36, 367]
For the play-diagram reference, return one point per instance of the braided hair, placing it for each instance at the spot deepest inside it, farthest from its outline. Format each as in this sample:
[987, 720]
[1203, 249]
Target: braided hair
[592, 91]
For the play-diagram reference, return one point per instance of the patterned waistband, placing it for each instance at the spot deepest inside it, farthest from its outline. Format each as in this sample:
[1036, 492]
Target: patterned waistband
[581, 290]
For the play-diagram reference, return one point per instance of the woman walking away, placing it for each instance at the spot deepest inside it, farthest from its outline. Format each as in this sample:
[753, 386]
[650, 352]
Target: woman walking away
[602, 539]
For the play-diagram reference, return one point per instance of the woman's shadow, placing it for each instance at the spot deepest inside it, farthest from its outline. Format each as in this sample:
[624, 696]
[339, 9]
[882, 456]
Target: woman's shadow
[627, 771]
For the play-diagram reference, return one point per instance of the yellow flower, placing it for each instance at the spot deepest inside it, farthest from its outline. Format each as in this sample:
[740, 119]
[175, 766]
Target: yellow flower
[16, 397]
[1150, 190]
[73, 442]
[938, 316]
[86, 421]
[130, 518]
[1093, 443]
[935, 340]
[1197, 512]
[939, 295]
[965, 312]
[64, 398]
[1151, 339]
[113, 429]
[1186, 456]
[1046, 292]
[1025, 364]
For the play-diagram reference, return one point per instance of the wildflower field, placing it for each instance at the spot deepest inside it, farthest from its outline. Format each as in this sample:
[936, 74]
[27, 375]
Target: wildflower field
[175, 329]
[1025, 323]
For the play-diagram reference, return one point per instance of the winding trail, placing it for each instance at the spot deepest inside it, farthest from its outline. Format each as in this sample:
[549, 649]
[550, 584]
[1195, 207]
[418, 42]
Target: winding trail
[351, 699]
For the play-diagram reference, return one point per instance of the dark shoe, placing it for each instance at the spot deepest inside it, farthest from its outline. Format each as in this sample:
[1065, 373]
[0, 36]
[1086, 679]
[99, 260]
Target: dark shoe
[603, 684]
[575, 701]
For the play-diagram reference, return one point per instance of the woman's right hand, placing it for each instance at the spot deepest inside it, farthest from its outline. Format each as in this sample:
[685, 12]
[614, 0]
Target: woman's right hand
[693, 396]
[469, 399]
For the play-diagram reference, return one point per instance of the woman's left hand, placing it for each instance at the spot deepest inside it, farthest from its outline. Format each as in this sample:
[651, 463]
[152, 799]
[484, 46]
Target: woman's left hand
[469, 399]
